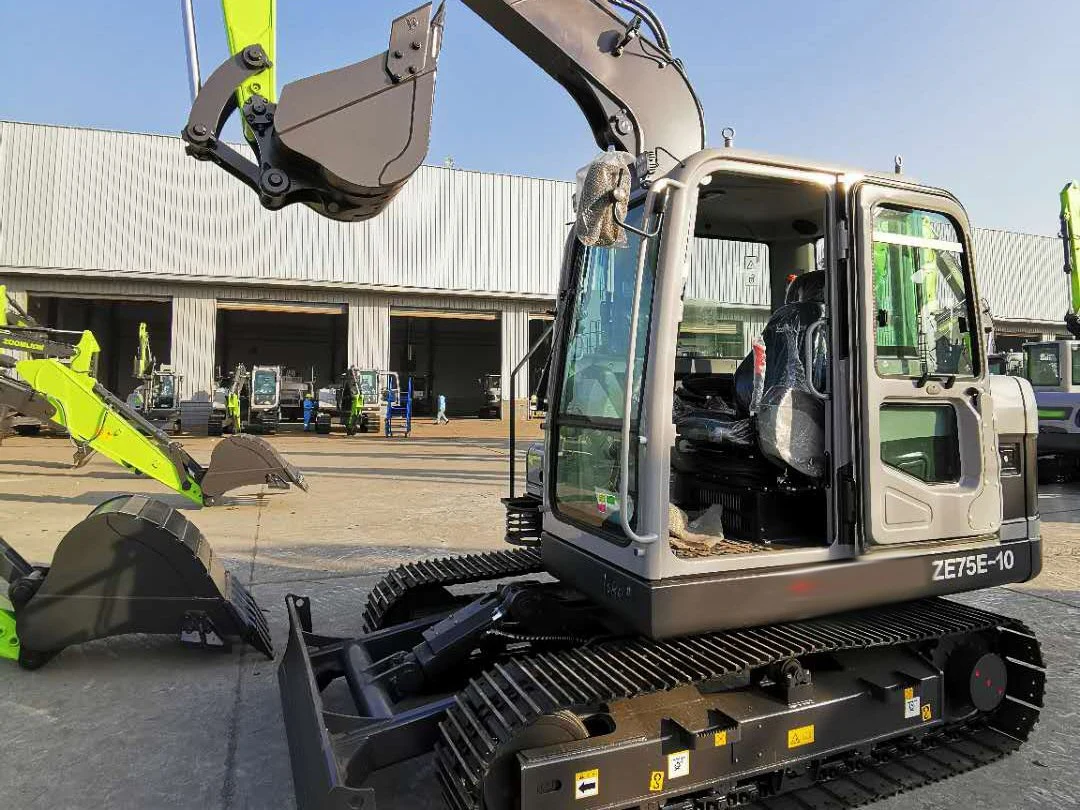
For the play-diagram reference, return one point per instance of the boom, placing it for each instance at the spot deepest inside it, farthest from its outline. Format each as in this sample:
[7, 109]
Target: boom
[1070, 233]
[345, 142]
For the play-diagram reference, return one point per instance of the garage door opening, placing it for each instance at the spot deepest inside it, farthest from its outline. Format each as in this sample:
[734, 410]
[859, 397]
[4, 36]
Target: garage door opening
[115, 324]
[307, 340]
[448, 353]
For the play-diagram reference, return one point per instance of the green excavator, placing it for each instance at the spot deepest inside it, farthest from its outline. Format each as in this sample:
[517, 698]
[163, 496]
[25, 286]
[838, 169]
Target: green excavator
[157, 398]
[56, 383]
[134, 564]
[1053, 366]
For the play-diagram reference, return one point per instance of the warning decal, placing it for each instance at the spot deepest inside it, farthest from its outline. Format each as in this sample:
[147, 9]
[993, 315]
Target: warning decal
[656, 782]
[927, 714]
[720, 739]
[678, 765]
[804, 735]
[912, 708]
[587, 784]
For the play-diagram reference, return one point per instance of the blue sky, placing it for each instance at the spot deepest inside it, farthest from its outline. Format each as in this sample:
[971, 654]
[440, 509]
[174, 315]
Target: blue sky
[976, 95]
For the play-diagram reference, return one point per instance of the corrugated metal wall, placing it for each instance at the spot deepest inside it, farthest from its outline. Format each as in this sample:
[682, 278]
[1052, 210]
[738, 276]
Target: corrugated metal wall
[194, 335]
[1021, 275]
[134, 205]
[369, 332]
[515, 345]
[75, 198]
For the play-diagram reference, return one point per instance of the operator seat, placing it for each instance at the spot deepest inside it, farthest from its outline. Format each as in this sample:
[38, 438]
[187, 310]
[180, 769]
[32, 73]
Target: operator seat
[789, 422]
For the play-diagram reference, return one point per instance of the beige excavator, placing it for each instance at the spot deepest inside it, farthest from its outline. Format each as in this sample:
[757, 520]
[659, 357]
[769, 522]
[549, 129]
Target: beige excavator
[732, 586]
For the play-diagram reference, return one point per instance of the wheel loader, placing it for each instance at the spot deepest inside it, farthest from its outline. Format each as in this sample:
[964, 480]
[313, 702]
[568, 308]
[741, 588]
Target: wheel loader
[735, 594]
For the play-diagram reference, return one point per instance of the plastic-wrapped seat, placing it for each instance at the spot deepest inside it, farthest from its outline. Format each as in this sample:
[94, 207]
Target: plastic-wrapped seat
[790, 420]
[788, 423]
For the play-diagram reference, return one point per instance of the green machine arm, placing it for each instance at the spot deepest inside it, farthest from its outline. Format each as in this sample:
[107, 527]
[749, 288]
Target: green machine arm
[1070, 233]
[144, 360]
[251, 22]
[97, 419]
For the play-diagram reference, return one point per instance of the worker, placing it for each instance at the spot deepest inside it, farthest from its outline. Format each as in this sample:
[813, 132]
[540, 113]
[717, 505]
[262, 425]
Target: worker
[309, 411]
[441, 419]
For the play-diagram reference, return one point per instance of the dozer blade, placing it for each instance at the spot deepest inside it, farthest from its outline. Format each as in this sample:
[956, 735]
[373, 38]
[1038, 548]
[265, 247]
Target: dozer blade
[133, 565]
[242, 460]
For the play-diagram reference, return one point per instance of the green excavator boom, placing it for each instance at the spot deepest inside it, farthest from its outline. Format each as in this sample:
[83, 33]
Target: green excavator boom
[1070, 233]
[83, 407]
[251, 22]
[144, 360]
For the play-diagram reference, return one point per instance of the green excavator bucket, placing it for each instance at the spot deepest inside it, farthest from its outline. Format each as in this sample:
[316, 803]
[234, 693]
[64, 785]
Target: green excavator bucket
[133, 565]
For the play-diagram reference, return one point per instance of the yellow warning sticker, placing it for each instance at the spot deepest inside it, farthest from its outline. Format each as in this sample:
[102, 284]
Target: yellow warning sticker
[656, 782]
[720, 739]
[587, 784]
[909, 693]
[796, 737]
[927, 714]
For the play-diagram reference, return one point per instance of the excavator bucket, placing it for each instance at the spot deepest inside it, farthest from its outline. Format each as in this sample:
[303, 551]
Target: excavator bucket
[134, 565]
[342, 142]
[243, 460]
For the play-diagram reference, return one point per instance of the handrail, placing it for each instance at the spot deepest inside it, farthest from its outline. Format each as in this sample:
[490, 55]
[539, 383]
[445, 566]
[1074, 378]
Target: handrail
[628, 397]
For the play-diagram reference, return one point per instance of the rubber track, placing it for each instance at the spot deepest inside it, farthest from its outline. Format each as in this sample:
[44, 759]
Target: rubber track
[495, 706]
[457, 570]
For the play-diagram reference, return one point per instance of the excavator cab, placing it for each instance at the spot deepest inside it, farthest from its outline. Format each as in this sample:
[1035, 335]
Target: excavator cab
[698, 469]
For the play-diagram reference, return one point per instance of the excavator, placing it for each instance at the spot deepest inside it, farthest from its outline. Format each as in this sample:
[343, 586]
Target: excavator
[158, 396]
[57, 383]
[251, 401]
[735, 590]
[1053, 367]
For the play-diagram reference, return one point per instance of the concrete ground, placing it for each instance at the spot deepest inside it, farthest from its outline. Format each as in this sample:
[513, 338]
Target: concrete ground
[139, 722]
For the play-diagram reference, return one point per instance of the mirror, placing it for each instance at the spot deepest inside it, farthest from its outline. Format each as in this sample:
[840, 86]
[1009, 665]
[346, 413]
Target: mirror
[603, 192]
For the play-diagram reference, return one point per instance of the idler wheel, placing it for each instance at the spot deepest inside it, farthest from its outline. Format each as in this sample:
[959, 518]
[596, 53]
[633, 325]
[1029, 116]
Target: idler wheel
[502, 784]
[977, 678]
[986, 685]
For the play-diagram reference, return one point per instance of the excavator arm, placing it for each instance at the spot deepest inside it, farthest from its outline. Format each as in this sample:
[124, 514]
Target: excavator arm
[1070, 233]
[345, 142]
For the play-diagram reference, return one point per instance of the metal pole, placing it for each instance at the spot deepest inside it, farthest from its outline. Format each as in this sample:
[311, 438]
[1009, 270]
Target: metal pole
[194, 76]
[513, 406]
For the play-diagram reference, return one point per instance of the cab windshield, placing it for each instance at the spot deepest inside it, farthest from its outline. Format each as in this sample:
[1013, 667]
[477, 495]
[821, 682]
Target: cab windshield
[590, 407]
[264, 387]
[1043, 365]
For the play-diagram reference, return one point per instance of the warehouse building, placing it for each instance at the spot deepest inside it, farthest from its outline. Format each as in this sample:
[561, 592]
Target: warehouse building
[104, 230]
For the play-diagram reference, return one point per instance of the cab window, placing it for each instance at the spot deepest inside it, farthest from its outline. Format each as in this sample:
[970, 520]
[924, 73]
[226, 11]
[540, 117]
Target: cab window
[924, 324]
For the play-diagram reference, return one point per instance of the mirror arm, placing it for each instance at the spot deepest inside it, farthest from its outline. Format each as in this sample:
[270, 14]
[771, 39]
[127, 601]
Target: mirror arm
[642, 233]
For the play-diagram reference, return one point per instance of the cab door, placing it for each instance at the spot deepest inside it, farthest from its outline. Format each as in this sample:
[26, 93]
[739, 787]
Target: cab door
[929, 468]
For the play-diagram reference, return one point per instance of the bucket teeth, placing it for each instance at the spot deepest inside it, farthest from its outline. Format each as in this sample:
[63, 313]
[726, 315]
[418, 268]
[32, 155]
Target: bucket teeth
[243, 460]
[253, 627]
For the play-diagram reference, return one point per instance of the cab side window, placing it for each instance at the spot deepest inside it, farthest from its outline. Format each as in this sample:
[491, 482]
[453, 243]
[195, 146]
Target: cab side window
[924, 323]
